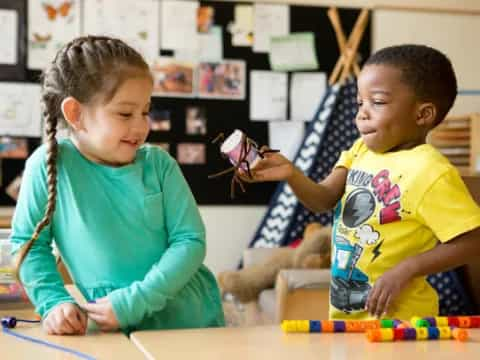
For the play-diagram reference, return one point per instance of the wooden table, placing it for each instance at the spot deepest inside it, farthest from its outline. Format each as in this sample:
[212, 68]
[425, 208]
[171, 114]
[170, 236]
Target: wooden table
[96, 344]
[269, 342]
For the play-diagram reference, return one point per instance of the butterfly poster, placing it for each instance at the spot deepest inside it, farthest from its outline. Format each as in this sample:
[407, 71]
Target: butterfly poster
[134, 21]
[20, 109]
[52, 24]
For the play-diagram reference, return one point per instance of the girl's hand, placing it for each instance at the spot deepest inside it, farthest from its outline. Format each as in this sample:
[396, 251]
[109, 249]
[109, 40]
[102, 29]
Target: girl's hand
[386, 289]
[65, 319]
[102, 313]
[273, 167]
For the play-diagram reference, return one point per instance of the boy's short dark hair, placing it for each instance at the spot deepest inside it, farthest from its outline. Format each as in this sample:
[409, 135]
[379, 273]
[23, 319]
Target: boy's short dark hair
[426, 70]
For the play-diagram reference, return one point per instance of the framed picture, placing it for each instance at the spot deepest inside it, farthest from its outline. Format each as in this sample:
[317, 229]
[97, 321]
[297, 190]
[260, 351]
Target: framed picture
[12, 51]
[222, 80]
[173, 78]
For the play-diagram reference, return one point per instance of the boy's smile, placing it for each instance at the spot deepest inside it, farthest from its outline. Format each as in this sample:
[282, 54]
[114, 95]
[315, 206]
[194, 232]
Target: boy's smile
[389, 112]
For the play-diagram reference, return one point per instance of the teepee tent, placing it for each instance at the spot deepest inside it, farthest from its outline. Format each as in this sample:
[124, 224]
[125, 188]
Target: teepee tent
[331, 131]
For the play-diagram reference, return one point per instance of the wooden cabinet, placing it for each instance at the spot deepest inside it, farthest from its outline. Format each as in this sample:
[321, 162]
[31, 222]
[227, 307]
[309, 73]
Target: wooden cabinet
[458, 138]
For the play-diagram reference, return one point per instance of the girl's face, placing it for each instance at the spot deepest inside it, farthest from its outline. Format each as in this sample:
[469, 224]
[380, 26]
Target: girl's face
[112, 133]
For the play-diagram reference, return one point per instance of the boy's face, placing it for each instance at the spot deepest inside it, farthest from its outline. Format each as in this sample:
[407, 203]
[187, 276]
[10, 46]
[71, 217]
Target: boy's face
[388, 109]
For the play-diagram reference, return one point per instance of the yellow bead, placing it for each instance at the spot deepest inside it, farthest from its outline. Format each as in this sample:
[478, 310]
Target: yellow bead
[289, 326]
[445, 332]
[303, 326]
[441, 321]
[422, 333]
[387, 334]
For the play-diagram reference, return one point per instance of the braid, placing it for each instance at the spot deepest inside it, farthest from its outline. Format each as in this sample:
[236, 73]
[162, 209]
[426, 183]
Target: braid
[83, 68]
[52, 150]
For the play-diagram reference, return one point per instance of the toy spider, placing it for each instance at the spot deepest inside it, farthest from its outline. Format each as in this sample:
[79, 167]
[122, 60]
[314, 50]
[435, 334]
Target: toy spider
[245, 155]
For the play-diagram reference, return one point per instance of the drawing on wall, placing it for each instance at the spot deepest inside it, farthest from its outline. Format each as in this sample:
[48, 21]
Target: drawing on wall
[159, 120]
[13, 189]
[13, 148]
[195, 120]
[173, 78]
[135, 22]
[205, 16]
[20, 109]
[51, 24]
[224, 80]
[191, 153]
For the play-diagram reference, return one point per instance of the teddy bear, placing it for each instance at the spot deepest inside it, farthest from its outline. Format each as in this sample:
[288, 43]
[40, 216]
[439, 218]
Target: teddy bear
[312, 252]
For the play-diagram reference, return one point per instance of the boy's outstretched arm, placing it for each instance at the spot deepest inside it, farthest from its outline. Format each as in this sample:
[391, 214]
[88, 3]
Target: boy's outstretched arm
[445, 256]
[317, 197]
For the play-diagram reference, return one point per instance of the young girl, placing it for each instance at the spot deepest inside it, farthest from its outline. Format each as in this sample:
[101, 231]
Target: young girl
[121, 213]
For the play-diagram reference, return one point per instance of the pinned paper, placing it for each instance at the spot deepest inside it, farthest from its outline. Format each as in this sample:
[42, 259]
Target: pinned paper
[306, 92]
[270, 20]
[9, 31]
[20, 109]
[268, 95]
[179, 24]
[242, 27]
[293, 52]
[286, 136]
[135, 22]
[51, 25]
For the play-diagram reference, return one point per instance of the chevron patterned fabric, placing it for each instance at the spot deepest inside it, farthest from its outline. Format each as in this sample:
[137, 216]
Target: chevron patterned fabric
[330, 132]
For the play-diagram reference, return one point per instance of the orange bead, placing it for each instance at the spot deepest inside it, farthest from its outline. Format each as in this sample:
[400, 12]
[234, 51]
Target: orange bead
[464, 321]
[327, 326]
[460, 334]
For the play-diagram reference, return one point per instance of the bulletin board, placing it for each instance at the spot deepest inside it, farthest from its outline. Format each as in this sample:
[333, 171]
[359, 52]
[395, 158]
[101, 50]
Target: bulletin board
[223, 116]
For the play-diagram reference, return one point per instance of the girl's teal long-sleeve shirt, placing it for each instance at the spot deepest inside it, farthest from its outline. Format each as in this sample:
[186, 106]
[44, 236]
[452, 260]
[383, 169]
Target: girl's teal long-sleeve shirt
[132, 233]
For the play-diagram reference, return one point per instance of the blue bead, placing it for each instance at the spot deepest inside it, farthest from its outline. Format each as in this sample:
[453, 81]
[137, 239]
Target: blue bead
[315, 326]
[433, 333]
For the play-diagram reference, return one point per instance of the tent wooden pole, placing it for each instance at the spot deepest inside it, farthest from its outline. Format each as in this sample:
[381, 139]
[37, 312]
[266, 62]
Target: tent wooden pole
[354, 42]
[342, 42]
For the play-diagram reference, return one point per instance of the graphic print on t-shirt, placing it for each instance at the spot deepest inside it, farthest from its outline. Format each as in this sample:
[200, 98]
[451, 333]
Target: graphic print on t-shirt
[370, 200]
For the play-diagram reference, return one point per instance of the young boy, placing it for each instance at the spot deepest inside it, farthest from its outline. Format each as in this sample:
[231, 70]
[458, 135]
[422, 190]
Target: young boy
[402, 210]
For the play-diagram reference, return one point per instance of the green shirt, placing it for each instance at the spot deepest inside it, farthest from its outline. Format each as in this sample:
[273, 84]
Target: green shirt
[133, 233]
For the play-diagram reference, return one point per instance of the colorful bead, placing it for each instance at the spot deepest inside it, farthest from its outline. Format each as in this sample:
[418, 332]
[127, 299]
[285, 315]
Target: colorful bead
[453, 321]
[441, 321]
[339, 326]
[315, 326]
[422, 333]
[398, 334]
[445, 332]
[410, 334]
[327, 326]
[386, 323]
[460, 334]
[433, 333]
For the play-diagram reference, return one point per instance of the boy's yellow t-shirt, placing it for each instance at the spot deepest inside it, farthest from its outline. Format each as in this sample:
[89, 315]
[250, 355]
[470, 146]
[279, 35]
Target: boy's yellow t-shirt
[396, 205]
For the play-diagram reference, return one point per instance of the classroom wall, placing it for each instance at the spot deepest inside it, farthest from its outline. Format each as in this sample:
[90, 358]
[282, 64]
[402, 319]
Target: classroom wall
[454, 34]
[229, 231]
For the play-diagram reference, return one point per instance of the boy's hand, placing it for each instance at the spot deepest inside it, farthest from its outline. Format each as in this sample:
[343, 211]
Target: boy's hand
[65, 319]
[386, 289]
[273, 167]
[102, 313]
